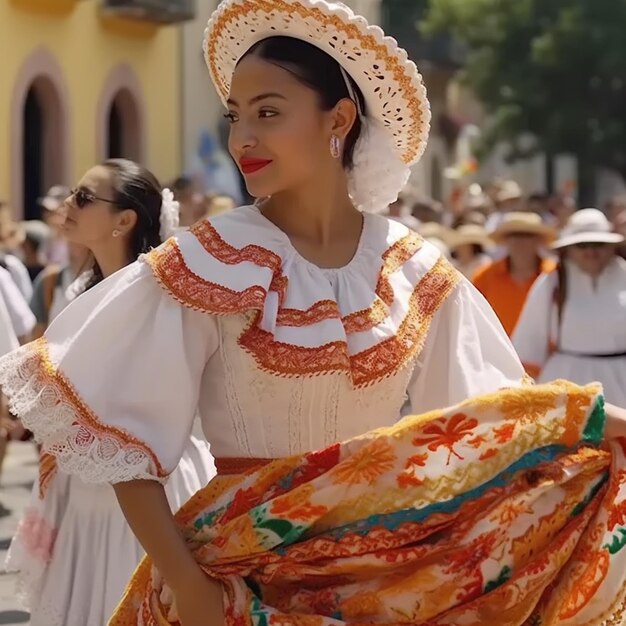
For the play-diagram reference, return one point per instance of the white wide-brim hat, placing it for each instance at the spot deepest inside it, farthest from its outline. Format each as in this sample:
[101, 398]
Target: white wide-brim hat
[391, 84]
[587, 226]
[393, 89]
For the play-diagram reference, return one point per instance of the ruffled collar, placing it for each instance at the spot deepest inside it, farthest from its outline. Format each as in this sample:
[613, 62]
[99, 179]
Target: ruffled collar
[366, 319]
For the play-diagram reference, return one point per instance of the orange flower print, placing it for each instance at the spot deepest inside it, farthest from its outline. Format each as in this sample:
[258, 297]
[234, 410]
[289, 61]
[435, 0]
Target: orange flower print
[408, 479]
[298, 506]
[476, 442]
[510, 511]
[416, 459]
[488, 454]
[366, 465]
[446, 432]
[504, 434]
[617, 514]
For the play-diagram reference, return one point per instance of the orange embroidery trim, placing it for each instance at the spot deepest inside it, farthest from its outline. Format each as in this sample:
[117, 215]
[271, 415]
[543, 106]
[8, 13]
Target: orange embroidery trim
[48, 374]
[330, 22]
[191, 290]
[171, 271]
[322, 310]
[393, 259]
[365, 367]
[47, 470]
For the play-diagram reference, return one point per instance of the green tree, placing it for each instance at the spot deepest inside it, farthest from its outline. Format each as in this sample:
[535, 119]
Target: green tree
[553, 68]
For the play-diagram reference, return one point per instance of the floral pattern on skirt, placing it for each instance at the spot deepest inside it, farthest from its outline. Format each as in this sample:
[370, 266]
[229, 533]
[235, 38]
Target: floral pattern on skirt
[503, 510]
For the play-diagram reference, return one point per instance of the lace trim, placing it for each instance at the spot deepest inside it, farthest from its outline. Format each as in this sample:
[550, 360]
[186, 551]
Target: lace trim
[47, 403]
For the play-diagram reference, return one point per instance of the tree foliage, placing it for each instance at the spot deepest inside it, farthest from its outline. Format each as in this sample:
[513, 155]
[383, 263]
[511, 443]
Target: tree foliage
[553, 68]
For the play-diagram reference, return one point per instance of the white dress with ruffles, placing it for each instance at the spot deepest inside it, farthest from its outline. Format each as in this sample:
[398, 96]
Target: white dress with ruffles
[592, 333]
[278, 356]
[74, 551]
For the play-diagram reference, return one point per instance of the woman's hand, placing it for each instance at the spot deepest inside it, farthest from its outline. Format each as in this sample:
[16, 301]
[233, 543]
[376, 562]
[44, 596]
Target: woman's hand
[200, 602]
[615, 422]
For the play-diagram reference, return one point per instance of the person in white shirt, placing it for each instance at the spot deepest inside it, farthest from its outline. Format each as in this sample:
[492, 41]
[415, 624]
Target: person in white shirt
[574, 322]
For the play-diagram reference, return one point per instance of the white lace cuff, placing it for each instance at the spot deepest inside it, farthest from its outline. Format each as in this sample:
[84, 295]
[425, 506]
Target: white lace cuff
[47, 404]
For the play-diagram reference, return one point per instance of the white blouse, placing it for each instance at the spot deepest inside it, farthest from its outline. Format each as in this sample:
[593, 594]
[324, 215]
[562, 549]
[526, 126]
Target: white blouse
[281, 357]
[593, 324]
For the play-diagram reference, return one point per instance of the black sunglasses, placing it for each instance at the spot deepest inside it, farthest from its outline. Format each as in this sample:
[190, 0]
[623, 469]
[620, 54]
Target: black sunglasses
[83, 198]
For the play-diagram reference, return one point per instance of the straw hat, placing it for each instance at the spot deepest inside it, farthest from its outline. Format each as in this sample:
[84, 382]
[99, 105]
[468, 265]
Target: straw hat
[518, 222]
[434, 230]
[587, 226]
[470, 234]
[509, 190]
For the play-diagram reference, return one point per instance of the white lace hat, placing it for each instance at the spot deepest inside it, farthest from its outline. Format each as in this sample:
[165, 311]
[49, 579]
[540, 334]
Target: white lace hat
[398, 115]
[587, 226]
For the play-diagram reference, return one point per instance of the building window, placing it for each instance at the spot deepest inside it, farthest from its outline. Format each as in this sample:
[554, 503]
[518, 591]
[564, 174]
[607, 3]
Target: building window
[123, 140]
[120, 117]
[42, 144]
[40, 137]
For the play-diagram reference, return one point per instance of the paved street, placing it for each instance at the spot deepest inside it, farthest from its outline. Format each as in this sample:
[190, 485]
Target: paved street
[19, 472]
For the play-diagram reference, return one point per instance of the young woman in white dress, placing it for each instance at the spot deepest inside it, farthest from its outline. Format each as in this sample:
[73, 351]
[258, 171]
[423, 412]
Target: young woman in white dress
[574, 323]
[74, 550]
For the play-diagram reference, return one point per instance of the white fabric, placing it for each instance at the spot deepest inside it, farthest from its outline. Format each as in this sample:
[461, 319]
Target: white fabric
[469, 269]
[467, 354]
[95, 552]
[21, 316]
[20, 275]
[74, 551]
[593, 322]
[8, 338]
[161, 358]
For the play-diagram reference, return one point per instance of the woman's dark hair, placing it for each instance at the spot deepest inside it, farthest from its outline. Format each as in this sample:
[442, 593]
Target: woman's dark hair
[136, 189]
[318, 71]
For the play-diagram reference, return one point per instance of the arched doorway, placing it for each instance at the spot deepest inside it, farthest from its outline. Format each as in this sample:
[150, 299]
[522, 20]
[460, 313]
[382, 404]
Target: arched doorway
[120, 118]
[123, 138]
[32, 155]
[39, 138]
[42, 144]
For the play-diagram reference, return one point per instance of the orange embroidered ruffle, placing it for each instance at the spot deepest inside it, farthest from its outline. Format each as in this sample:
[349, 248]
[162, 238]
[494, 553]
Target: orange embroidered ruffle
[303, 322]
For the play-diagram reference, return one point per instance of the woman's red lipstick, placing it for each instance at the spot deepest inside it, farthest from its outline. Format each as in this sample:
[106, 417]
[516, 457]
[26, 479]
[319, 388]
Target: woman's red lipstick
[249, 165]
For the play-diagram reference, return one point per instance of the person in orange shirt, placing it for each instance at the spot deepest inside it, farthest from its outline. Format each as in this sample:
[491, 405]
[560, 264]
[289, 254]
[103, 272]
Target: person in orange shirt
[506, 283]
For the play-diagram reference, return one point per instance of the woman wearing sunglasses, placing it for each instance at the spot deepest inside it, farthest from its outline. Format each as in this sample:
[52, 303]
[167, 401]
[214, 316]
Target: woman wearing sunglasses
[574, 322]
[74, 551]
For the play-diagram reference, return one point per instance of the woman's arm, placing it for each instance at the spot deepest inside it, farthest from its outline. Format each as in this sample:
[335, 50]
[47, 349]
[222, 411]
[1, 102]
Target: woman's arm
[145, 506]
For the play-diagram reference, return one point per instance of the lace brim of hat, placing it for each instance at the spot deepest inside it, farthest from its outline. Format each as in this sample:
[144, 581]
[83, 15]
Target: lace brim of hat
[398, 113]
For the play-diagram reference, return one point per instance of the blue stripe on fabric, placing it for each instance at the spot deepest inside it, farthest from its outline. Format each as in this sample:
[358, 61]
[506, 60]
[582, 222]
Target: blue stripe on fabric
[391, 521]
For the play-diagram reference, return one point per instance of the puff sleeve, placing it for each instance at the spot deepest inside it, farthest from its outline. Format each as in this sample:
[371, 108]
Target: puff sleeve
[112, 388]
[467, 353]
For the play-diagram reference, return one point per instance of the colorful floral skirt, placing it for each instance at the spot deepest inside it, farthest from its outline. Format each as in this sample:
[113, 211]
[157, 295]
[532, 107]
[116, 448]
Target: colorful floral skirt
[506, 510]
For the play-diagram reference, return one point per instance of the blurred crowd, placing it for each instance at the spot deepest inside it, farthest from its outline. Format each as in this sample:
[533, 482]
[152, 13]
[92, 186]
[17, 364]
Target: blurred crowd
[502, 238]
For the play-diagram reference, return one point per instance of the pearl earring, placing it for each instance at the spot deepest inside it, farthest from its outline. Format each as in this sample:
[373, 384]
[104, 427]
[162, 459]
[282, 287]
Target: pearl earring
[335, 147]
[116, 233]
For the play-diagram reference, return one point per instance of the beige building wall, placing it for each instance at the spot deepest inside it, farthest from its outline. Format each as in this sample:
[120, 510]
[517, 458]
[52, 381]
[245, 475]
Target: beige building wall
[78, 60]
